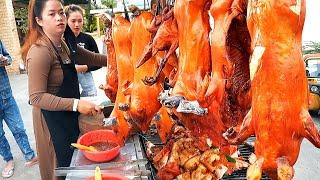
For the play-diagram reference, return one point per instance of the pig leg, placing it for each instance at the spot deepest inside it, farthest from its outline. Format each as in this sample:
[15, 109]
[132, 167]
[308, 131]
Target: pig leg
[146, 55]
[126, 90]
[284, 170]
[125, 106]
[168, 15]
[310, 130]
[110, 122]
[254, 171]
[191, 107]
[151, 80]
[173, 101]
[164, 124]
[246, 131]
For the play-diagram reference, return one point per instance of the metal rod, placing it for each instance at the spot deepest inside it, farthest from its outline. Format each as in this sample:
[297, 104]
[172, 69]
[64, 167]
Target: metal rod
[148, 4]
[125, 11]
[109, 165]
[88, 173]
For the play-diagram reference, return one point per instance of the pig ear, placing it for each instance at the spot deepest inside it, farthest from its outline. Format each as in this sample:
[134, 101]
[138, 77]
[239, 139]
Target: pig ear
[310, 130]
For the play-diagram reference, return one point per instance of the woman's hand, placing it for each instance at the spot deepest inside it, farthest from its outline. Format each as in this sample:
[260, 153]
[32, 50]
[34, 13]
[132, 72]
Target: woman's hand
[81, 68]
[88, 108]
[3, 61]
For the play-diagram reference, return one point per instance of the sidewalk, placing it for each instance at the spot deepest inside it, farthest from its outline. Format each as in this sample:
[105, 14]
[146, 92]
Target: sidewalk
[20, 92]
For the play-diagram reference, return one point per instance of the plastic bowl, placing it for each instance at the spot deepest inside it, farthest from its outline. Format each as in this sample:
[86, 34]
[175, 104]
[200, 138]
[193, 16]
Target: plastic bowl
[109, 177]
[97, 136]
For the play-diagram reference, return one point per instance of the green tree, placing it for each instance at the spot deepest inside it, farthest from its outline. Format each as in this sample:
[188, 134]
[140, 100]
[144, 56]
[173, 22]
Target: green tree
[109, 3]
[89, 23]
[22, 15]
[312, 48]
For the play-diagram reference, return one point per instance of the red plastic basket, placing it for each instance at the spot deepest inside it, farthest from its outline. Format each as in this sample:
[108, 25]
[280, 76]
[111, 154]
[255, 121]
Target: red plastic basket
[97, 136]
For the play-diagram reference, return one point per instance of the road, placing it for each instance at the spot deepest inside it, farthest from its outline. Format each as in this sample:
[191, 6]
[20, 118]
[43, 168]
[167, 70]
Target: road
[308, 164]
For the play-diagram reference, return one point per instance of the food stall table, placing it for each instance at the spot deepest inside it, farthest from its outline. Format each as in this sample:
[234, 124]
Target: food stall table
[130, 162]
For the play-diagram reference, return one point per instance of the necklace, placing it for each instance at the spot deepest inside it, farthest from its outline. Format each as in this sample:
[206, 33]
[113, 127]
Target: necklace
[59, 48]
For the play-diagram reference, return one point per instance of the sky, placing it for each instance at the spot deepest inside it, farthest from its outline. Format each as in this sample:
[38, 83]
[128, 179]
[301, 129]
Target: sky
[311, 30]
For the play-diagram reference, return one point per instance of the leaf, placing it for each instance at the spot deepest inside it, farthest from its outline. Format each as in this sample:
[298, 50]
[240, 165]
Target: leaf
[230, 159]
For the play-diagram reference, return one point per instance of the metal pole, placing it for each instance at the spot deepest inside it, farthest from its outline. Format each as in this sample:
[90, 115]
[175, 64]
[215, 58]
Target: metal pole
[98, 25]
[125, 11]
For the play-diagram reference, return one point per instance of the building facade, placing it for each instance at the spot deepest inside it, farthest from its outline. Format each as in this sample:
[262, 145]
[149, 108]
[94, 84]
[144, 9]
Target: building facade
[9, 34]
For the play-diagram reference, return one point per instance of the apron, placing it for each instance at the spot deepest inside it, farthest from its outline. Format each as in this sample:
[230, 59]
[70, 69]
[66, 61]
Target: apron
[63, 125]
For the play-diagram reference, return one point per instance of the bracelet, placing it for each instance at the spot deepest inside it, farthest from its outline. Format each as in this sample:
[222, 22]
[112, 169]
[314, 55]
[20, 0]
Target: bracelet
[75, 105]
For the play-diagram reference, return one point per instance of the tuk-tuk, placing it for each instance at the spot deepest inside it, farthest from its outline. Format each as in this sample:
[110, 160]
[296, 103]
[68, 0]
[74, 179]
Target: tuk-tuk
[312, 62]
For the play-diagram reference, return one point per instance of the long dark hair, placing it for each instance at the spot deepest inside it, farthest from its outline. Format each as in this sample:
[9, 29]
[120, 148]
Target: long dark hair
[35, 31]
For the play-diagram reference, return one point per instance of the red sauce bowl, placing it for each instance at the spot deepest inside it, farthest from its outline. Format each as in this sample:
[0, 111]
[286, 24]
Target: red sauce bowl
[110, 177]
[100, 136]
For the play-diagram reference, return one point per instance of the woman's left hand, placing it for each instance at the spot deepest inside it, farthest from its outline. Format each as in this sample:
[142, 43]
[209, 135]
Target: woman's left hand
[81, 68]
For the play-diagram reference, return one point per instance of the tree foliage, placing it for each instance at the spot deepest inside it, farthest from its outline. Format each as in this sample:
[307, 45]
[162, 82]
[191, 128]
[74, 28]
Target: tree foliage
[109, 3]
[22, 14]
